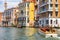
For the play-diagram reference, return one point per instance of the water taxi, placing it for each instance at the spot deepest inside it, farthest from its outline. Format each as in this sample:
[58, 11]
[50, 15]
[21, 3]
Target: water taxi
[47, 32]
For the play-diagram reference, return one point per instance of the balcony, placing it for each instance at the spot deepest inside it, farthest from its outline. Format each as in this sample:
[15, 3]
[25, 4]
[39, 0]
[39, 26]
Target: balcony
[50, 9]
[22, 15]
[46, 10]
[57, 3]
[43, 11]
[43, 4]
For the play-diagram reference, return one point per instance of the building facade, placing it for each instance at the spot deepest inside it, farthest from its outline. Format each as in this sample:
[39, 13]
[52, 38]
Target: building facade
[26, 9]
[49, 13]
[1, 13]
[10, 16]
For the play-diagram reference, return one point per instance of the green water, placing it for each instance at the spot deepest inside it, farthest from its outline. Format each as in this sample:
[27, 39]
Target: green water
[12, 33]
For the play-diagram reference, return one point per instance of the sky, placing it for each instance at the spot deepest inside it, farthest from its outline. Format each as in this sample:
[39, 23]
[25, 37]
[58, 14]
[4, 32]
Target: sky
[11, 3]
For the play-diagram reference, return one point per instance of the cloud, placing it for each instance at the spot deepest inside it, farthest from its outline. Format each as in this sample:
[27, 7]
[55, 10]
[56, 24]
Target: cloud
[11, 3]
[11, 0]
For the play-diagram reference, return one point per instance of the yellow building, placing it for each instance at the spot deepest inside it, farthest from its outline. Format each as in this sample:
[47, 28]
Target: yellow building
[31, 13]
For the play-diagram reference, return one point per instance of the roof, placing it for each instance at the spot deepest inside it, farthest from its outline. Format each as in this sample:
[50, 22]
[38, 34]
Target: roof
[29, 0]
[1, 12]
[12, 8]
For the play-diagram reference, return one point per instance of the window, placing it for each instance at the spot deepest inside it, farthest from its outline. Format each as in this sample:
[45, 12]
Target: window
[43, 21]
[40, 22]
[43, 1]
[56, 5]
[27, 12]
[51, 0]
[22, 12]
[56, 13]
[44, 8]
[36, 0]
[36, 6]
[56, 22]
[47, 21]
[51, 5]
[56, 0]
[28, 20]
[50, 13]
[51, 21]
[28, 4]
[24, 18]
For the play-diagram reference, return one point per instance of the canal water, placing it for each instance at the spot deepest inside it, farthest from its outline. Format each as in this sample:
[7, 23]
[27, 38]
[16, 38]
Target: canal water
[11, 33]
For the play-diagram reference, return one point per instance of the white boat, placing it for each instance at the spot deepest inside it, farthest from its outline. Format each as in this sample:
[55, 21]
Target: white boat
[47, 34]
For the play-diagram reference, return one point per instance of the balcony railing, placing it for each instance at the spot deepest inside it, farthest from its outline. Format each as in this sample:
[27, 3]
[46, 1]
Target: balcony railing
[46, 10]
[44, 4]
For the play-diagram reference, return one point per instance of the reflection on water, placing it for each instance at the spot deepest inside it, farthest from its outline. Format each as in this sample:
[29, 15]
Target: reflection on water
[50, 38]
[30, 31]
[19, 34]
